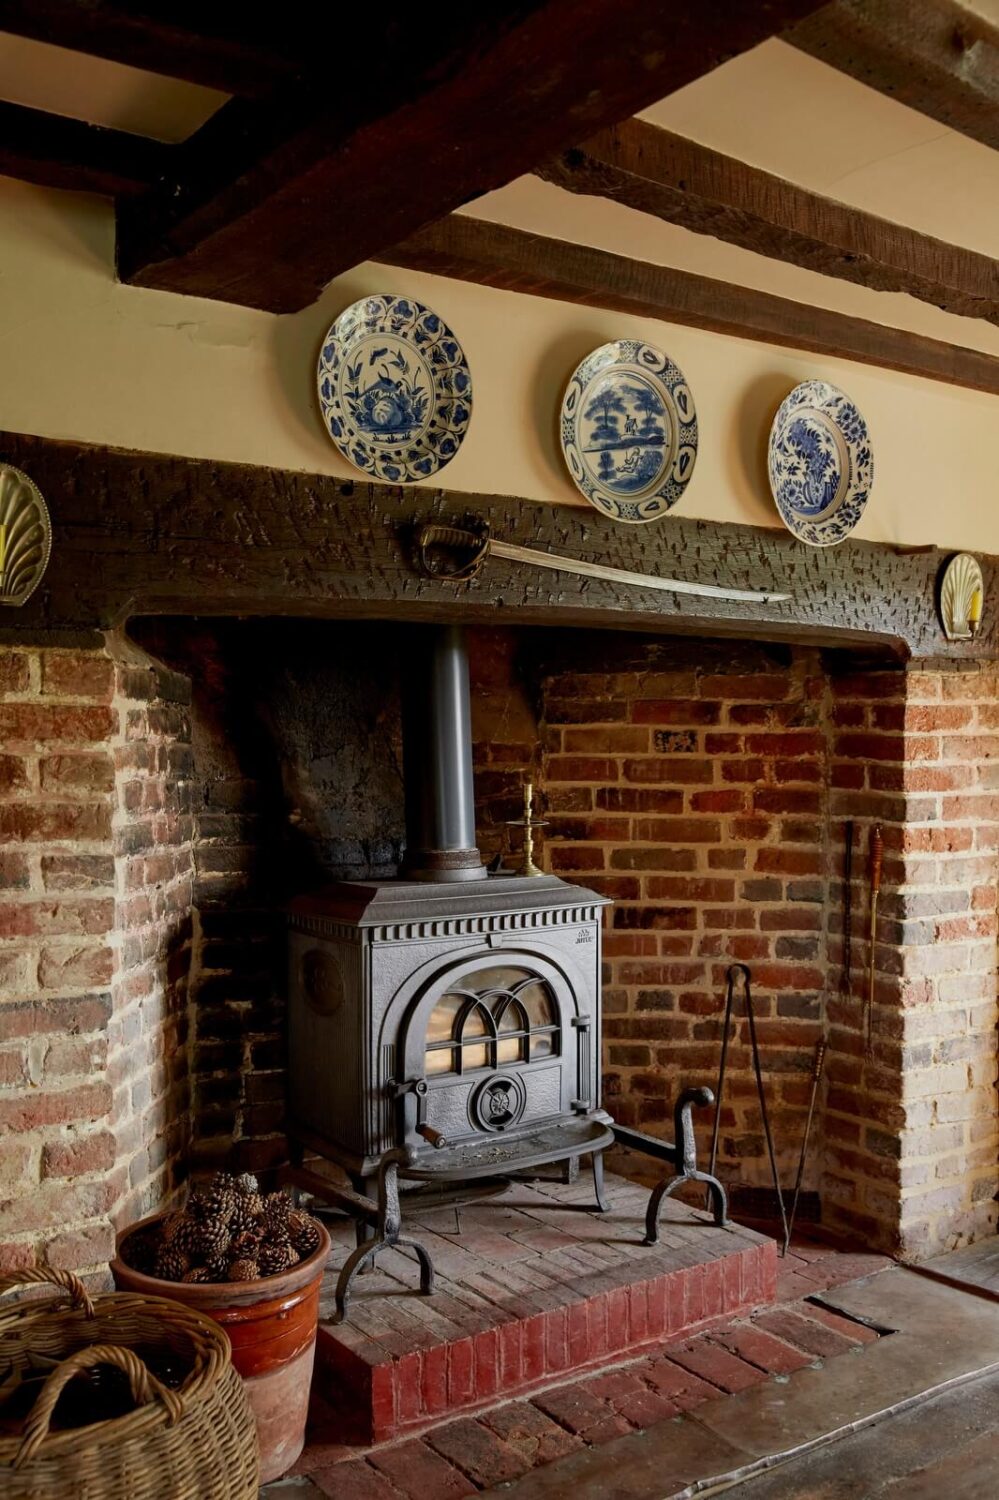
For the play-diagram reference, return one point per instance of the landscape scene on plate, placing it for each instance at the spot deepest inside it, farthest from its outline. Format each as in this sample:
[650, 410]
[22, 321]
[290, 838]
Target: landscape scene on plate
[624, 431]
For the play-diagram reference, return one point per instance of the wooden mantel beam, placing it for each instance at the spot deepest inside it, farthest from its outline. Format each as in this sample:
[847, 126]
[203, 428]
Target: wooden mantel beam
[268, 202]
[145, 533]
[685, 183]
[937, 56]
[513, 260]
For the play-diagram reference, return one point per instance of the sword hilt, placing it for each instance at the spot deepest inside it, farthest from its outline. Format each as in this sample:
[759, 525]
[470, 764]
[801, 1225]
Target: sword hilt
[451, 554]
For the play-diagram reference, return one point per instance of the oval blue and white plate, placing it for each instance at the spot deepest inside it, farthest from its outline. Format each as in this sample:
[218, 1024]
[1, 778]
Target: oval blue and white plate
[629, 431]
[394, 388]
[821, 464]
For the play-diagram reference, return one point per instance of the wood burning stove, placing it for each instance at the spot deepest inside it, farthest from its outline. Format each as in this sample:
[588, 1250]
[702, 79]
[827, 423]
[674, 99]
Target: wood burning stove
[444, 1027]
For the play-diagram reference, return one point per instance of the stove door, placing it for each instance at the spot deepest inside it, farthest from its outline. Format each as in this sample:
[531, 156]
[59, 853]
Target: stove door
[496, 1038]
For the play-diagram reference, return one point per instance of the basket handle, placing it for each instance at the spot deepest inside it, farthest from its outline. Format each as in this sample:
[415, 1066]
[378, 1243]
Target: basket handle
[64, 1280]
[144, 1385]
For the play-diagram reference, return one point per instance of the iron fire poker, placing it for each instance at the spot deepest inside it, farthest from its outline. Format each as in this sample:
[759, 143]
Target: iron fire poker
[453, 554]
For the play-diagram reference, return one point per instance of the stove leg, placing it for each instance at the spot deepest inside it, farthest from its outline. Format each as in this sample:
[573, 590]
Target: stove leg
[603, 1202]
[570, 1170]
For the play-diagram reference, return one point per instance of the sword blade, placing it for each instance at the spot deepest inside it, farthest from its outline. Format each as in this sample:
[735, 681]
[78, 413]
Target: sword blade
[583, 569]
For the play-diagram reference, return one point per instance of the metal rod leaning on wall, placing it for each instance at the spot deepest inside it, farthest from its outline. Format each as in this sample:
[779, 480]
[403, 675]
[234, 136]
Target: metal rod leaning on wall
[820, 1057]
[747, 989]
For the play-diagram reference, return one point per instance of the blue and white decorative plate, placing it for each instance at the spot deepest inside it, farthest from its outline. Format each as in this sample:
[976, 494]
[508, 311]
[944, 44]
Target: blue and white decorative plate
[821, 464]
[629, 430]
[394, 388]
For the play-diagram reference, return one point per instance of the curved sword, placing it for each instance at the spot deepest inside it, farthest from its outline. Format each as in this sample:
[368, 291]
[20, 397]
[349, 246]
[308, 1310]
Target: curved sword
[478, 546]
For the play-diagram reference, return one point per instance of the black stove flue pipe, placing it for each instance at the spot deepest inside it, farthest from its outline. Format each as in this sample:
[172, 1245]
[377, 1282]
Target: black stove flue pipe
[437, 757]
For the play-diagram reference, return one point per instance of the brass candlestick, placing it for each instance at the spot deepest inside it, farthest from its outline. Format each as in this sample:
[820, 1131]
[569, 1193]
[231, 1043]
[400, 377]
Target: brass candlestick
[528, 823]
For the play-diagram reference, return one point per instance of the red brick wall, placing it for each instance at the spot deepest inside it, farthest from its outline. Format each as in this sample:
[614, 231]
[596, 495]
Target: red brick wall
[912, 1147]
[91, 1123]
[695, 796]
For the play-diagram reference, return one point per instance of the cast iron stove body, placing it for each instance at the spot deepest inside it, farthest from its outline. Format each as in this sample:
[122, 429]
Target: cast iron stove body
[444, 1027]
[460, 1022]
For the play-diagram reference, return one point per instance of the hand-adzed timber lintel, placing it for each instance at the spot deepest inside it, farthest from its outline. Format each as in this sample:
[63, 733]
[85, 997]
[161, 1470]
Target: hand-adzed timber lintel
[142, 534]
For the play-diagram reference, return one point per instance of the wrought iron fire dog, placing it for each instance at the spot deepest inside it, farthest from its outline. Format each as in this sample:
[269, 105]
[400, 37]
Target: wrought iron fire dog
[683, 1153]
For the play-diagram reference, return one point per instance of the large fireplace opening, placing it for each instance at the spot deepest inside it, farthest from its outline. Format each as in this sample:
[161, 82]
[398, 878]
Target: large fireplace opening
[705, 789]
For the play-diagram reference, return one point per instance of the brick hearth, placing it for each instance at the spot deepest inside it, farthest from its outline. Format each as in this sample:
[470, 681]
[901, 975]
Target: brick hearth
[532, 1290]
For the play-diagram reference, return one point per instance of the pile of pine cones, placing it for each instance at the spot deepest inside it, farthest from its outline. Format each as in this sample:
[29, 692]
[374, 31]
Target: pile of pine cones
[229, 1231]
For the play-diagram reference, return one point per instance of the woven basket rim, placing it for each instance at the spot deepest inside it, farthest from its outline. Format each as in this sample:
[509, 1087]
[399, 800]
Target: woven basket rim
[141, 1420]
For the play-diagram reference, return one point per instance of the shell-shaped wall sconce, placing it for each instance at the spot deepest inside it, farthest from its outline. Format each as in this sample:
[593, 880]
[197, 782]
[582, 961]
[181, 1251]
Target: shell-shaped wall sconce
[962, 598]
[25, 536]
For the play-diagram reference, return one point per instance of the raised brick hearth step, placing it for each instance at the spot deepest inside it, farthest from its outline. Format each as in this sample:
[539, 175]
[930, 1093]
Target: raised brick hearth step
[532, 1289]
[490, 1448]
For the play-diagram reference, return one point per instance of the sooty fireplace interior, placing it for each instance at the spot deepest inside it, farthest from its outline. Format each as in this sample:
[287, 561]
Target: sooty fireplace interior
[444, 1028]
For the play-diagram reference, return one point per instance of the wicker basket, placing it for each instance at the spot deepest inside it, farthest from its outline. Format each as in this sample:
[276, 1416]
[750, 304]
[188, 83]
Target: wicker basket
[195, 1443]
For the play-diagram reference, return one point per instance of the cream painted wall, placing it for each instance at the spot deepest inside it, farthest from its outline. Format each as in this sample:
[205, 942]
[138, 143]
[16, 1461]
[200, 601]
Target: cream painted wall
[82, 357]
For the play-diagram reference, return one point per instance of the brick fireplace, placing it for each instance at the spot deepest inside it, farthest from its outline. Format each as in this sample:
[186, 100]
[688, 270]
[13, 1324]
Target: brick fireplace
[165, 794]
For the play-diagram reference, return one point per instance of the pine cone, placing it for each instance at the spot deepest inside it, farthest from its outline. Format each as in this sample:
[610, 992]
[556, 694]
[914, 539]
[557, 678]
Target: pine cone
[244, 1269]
[247, 1213]
[214, 1241]
[247, 1183]
[220, 1198]
[197, 1273]
[273, 1259]
[245, 1245]
[172, 1265]
[277, 1208]
[304, 1232]
[218, 1269]
[172, 1226]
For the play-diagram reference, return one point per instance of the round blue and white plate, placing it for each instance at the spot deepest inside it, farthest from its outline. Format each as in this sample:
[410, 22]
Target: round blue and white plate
[394, 388]
[821, 463]
[629, 431]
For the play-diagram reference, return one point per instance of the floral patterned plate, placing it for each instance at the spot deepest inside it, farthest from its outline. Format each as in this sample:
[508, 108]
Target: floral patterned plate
[394, 388]
[629, 430]
[821, 464]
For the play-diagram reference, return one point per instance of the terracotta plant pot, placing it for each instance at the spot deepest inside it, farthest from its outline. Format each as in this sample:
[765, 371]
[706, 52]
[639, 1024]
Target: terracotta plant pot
[271, 1325]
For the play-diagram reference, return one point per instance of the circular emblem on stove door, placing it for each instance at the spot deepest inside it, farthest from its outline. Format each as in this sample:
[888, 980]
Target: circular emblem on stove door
[497, 1103]
[322, 982]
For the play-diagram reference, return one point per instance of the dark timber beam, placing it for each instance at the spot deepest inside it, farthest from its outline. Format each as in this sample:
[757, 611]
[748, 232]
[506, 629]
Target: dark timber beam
[54, 151]
[513, 260]
[678, 180]
[141, 533]
[269, 202]
[938, 57]
[238, 49]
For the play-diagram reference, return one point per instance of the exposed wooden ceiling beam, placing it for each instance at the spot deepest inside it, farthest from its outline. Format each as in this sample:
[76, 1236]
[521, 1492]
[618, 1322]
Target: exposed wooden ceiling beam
[678, 180]
[937, 56]
[270, 203]
[54, 151]
[495, 255]
[237, 49]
